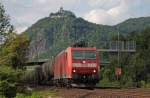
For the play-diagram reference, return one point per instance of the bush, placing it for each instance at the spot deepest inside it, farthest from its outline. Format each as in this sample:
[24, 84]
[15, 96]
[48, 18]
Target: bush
[107, 78]
[127, 82]
[8, 80]
[7, 89]
[142, 84]
[147, 85]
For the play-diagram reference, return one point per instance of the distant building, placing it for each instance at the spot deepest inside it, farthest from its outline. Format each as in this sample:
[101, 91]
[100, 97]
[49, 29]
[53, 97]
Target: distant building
[62, 13]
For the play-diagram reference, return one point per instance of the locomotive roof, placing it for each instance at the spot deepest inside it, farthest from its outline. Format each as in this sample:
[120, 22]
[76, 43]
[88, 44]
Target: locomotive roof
[83, 48]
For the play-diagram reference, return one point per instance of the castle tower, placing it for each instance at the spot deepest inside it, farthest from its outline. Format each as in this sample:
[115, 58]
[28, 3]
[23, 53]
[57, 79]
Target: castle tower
[61, 9]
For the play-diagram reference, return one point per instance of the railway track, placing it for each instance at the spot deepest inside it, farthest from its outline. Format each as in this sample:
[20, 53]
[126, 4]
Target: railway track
[98, 92]
[104, 93]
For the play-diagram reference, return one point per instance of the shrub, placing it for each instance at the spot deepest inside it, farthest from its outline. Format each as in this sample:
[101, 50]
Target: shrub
[8, 80]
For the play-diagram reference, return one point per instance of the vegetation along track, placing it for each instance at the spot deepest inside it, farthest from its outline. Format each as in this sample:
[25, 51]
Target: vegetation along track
[103, 93]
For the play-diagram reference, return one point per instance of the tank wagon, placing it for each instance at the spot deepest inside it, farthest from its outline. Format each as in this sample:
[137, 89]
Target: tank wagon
[74, 65]
[40, 74]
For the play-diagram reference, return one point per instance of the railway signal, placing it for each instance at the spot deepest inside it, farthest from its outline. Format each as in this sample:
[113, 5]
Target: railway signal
[118, 71]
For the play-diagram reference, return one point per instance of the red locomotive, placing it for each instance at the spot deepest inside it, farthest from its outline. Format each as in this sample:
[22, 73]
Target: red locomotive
[79, 65]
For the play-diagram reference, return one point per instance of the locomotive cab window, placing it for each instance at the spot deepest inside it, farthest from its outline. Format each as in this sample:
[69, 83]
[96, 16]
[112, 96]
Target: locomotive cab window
[83, 54]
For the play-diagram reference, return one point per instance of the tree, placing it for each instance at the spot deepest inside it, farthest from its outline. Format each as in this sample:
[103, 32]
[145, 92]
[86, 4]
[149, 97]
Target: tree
[140, 62]
[14, 52]
[5, 26]
[144, 54]
[12, 59]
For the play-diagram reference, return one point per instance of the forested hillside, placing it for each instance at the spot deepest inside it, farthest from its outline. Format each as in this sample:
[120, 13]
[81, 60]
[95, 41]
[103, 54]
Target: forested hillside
[134, 25]
[50, 35]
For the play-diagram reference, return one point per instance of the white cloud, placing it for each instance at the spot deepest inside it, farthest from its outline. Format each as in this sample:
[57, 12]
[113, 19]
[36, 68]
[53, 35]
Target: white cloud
[104, 4]
[21, 29]
[115, 14]
[42, 1]
[99, 16]
[105, 16]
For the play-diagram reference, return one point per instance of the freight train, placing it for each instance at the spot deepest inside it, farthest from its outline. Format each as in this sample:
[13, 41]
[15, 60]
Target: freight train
[72, 66]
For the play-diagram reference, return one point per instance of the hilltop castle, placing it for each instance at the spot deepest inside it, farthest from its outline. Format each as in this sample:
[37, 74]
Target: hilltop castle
[61, 13]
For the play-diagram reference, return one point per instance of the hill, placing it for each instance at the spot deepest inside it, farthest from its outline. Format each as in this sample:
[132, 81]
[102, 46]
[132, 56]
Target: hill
[134, 25]
[50, 35]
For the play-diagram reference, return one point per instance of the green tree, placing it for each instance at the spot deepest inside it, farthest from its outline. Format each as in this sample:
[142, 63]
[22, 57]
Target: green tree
[14, 52]
[5, 26]
[141, 59]
[12, 59]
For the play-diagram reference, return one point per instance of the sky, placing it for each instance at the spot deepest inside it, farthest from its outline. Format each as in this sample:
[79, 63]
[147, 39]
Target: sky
[24, 13]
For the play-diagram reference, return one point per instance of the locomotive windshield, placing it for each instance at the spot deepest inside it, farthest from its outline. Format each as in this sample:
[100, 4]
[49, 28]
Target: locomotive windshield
[82, 54]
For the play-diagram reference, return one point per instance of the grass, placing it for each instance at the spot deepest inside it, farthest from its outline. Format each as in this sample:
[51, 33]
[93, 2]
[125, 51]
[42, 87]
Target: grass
[1, 96]
[107, 83]
[38, 94]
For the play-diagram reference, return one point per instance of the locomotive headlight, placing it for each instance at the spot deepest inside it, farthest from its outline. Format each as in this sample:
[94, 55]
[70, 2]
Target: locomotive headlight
[94, 71]
[74, 70]
[83, 62]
